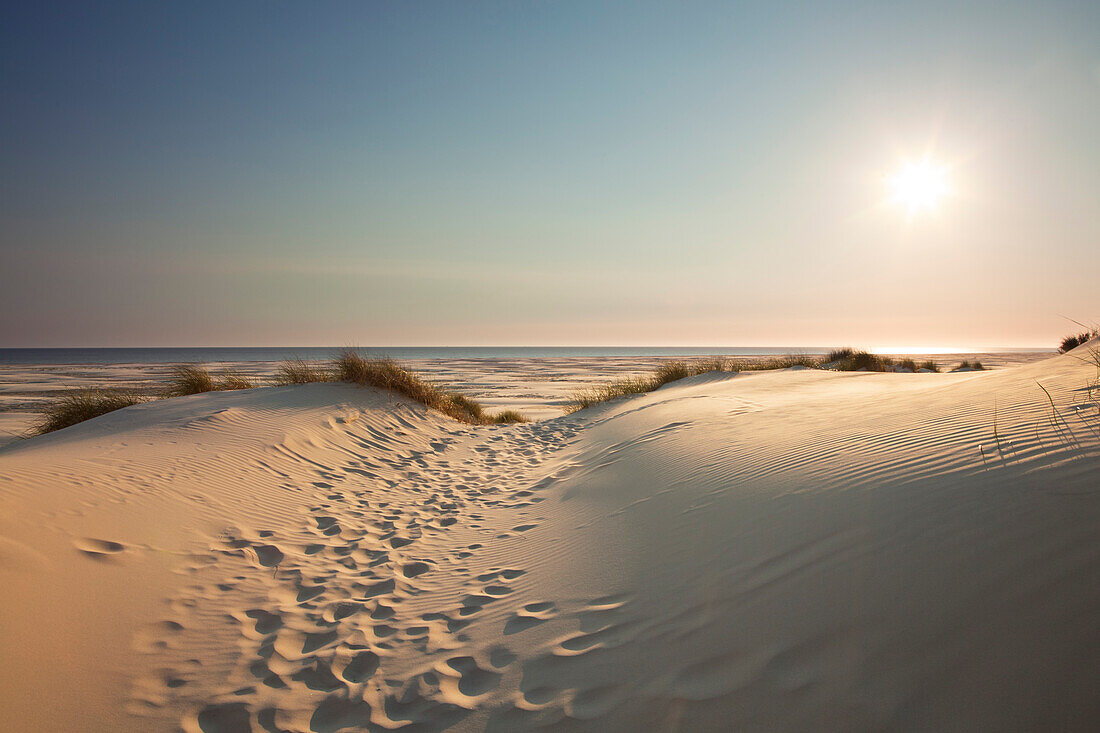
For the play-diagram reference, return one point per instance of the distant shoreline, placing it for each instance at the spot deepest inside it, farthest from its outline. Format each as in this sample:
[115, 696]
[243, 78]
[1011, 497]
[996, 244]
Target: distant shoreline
[218, 354]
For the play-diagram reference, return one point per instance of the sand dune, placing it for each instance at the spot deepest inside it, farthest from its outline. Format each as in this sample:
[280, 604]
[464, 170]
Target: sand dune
[793, 550]
[539, 387]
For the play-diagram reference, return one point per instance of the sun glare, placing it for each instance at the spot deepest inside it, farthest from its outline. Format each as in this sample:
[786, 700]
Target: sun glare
[920, 186]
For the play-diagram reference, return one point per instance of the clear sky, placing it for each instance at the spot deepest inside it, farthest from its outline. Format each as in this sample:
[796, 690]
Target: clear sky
[546, 173]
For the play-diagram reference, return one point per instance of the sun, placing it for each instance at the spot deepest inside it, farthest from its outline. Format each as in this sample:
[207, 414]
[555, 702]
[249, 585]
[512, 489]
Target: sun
[920, 186]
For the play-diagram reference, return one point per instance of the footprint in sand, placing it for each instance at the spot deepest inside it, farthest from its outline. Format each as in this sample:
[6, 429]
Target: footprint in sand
[530, 615]
[98, 549]
[157, 636]
[224, 718]
[360, 667]
[268, 555]
[263, 622]
[413, 569]
[467, 677]
[318, 676]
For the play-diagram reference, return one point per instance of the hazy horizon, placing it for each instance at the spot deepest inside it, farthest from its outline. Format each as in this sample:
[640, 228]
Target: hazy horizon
[689, 348]
[568, 173]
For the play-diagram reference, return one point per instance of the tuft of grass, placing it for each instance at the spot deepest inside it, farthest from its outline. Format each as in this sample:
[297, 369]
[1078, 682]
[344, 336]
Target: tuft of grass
[190, 379]
[607, 392]
[848, 359]
[1071, 342]
[853, 360]
[507, 416]
[715, 364]
[841, 354]
[351, 366]
[779, 362]
[80, 405]
[973, 365]
[233, 380]
[299, 371]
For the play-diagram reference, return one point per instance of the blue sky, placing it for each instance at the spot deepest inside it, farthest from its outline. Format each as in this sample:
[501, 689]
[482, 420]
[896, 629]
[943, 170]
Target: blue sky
[545, 173]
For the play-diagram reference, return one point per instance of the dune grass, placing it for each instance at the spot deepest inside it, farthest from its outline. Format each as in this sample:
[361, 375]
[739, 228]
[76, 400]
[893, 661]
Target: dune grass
[1071, 342]
[188, 379]
[673, 371]
[232, 381]
[972, 365]
[299, 371]
[779, 362]
[668, 372]
[351, 366]
[848, 359]
[843, 359]
[507, 416]
[84, 404]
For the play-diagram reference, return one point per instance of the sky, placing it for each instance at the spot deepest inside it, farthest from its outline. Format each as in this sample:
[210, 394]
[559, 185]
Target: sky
[546, 173]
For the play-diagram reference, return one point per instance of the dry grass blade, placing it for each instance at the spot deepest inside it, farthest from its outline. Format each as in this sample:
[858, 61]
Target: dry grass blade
[81, 405]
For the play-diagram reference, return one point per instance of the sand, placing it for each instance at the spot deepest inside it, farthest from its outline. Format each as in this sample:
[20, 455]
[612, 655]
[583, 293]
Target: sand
[539, 387]
[788, 550]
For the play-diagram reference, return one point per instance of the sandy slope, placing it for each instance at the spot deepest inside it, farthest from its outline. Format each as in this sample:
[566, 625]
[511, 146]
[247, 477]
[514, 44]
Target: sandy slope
[795, 550]
[538, 387]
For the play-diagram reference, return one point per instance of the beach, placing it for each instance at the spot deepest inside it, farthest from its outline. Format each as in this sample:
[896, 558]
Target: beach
[550, 367]
[777, 550]
[539, 387]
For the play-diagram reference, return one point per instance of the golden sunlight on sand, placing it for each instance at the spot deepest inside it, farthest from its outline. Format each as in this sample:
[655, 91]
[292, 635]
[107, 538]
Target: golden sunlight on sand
[795, 549]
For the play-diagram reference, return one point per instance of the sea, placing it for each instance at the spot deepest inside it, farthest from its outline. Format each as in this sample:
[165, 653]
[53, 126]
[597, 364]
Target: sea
[193, 354]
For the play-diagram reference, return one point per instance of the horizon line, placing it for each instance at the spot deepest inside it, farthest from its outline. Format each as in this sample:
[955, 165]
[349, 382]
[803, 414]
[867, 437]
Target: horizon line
[942, 348]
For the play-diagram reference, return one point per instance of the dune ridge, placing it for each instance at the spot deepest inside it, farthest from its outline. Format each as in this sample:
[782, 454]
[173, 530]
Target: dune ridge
[761, 551]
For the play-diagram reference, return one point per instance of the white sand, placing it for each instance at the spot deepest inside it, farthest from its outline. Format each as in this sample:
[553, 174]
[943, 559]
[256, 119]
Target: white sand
[794, 550]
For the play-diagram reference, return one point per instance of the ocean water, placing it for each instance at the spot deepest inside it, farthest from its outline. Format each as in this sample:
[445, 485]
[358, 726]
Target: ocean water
[170, 355]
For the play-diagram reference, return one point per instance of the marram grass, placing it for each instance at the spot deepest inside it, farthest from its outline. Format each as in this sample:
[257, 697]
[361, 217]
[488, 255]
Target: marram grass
[188, 379]
[353, 367]
[84, 404]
